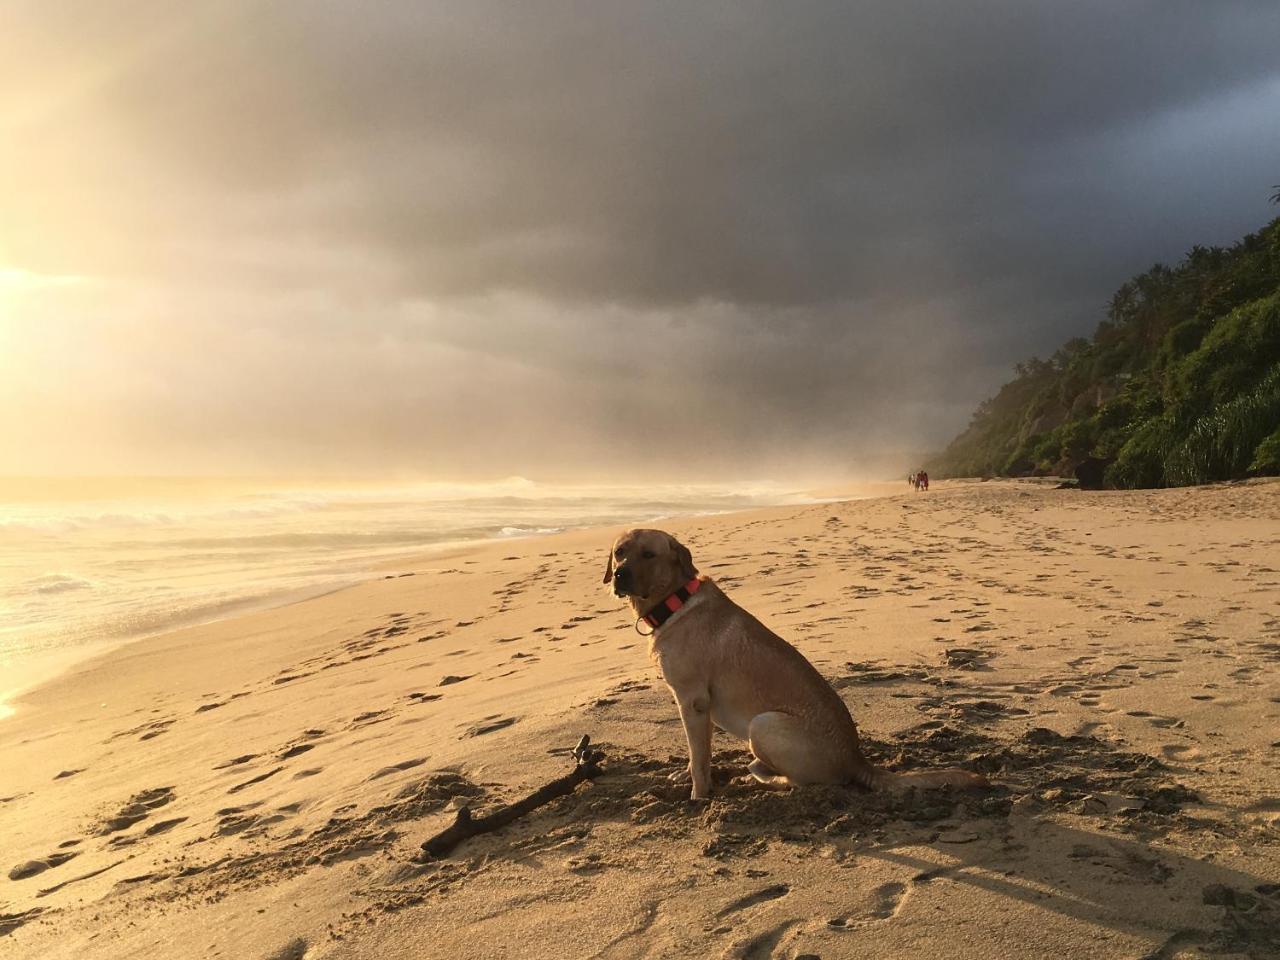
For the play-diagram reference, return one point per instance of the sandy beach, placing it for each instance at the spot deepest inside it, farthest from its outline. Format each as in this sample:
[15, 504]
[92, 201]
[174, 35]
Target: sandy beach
[259, 787]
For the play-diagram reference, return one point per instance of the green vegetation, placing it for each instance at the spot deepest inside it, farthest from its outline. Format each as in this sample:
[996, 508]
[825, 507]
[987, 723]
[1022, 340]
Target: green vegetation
[1179, 385]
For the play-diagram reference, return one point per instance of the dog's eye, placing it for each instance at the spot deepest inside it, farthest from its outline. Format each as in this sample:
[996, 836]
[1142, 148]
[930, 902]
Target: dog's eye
[619, 552]
[648, 554]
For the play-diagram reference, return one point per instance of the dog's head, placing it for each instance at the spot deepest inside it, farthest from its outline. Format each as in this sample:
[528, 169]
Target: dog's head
[648, 565]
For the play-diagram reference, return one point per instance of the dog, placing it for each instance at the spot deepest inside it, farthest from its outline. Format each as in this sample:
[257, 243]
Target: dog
[724, 666]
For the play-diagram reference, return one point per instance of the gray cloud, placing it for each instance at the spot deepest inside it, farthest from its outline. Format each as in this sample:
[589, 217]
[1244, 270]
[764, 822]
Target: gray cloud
[823, 224]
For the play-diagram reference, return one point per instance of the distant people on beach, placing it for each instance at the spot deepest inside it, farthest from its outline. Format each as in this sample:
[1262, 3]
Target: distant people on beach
[919, 480]
[924, 481]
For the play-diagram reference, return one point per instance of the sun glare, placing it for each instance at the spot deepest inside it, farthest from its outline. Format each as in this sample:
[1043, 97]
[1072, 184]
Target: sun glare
[15, 280]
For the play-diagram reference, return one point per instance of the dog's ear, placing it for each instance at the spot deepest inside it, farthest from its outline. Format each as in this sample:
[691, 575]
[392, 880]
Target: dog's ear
[687, 570]
[608, 568]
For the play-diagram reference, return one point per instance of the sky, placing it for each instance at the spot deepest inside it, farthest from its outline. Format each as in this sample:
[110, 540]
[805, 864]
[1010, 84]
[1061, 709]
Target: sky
[587, 239]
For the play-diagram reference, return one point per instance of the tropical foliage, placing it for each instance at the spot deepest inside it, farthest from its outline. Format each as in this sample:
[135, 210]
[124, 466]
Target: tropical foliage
[1180, 384]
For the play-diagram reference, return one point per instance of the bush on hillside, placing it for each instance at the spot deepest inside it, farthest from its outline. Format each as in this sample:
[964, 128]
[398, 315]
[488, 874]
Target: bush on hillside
[1178, 383]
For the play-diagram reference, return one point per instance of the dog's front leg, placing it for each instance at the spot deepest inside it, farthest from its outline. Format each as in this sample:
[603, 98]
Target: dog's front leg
[695, 713]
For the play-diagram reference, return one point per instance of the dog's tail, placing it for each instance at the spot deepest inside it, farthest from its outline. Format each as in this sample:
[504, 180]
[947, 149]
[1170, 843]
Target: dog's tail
[876, 778]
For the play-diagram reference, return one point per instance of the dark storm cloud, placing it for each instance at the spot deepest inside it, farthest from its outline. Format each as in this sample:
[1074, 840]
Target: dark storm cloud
[750, 152]
[838, 221]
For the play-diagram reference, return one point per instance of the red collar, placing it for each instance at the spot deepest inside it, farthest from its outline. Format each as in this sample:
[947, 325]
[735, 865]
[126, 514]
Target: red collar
[660, 614]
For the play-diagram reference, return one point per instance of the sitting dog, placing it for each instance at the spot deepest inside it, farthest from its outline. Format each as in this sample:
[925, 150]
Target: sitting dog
[725, 667]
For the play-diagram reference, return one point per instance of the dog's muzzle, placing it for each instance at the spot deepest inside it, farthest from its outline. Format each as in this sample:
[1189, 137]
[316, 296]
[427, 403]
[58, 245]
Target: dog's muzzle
[622, 584]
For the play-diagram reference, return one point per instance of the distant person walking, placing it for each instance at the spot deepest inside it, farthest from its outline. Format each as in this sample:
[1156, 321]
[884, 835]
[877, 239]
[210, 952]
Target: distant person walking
[924, 481]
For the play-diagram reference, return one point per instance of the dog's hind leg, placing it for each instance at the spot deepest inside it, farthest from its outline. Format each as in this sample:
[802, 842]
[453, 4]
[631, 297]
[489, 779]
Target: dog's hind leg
[786, 750]
[766, 774]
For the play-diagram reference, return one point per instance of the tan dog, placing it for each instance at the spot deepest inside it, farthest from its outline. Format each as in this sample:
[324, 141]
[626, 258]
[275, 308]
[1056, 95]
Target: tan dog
[725, 667]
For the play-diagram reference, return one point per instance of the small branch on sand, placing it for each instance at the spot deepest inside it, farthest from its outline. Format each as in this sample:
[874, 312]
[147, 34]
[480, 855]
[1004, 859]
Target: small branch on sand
[465, 826]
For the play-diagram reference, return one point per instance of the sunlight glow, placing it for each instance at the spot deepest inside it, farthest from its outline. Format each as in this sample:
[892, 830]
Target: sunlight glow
[15, 281]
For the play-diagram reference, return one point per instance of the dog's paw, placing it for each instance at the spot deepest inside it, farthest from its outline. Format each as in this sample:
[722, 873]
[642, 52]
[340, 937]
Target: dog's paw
[701, 789]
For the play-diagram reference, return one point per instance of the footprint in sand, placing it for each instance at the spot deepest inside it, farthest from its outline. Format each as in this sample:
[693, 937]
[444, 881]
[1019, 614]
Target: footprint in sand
[920, 879]
[237, 761]
[31, 868]
[760, 946]
[887, 902]
[489, 725]
[163, 826]
[236, 819]
[750, 900]
[233, 820]
[146, 731]
[295, 949]
[138, 808]
[84, 876]
[258, 779]
[397, 768]
[368, 717]
[10, 922]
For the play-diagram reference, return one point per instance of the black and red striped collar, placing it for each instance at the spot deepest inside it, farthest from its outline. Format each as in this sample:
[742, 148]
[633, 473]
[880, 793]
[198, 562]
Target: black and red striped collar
[661, 613]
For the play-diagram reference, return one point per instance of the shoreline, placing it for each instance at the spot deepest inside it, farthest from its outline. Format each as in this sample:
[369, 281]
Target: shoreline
[46, 668]
[49, 664]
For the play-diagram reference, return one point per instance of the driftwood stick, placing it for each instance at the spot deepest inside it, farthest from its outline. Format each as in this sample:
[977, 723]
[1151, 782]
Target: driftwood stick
[465, 826]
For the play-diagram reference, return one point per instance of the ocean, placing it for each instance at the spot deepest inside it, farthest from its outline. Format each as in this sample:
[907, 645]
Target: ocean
[84, 566]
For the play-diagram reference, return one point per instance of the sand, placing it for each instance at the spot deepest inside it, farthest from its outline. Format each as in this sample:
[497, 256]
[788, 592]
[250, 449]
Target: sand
[258, 788]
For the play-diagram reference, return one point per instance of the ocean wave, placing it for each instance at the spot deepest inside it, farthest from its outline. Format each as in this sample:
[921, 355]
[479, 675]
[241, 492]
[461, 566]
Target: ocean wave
[528, 531]
[41, 526]
[509, 495]
[56, 583]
